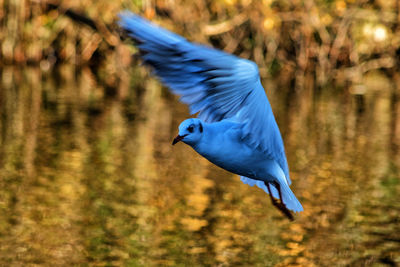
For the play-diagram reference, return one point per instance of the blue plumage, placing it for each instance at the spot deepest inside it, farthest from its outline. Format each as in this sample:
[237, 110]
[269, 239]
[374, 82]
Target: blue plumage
[219, 87]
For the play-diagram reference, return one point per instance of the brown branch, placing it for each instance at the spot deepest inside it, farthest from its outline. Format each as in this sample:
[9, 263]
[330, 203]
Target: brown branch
[76, 16]
[225, 26]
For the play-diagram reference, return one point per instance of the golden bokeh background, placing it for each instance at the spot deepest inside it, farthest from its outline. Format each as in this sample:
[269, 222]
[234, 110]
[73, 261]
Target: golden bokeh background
[88, 175]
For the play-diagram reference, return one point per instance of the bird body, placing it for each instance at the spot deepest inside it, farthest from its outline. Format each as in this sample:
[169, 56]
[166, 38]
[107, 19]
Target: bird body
[221, 144]
[235, 129]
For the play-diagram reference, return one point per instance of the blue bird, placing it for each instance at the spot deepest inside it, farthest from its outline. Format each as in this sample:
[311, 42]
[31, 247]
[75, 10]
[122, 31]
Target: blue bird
[235, 129]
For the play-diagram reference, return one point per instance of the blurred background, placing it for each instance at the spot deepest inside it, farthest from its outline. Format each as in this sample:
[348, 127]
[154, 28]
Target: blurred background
[88, 175]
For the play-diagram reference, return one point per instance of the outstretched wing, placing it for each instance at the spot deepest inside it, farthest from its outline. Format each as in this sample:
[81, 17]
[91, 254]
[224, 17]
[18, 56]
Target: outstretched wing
[214, 84]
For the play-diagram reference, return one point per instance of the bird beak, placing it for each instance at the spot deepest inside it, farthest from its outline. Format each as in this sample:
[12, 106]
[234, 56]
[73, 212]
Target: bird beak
[178, 138]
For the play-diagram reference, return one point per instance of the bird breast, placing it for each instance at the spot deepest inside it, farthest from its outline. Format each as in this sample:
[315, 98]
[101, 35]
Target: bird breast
[226, 150]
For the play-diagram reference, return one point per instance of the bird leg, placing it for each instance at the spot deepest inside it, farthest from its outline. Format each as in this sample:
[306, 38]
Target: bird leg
[280, 205]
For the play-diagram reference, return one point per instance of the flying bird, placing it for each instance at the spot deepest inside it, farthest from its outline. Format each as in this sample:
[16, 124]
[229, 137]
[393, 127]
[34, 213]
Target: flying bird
[235, 128]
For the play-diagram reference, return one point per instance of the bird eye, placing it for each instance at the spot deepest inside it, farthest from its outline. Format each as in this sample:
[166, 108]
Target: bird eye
[190, 129]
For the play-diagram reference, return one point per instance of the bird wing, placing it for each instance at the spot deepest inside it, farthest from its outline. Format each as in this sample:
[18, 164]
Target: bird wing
[214, 84]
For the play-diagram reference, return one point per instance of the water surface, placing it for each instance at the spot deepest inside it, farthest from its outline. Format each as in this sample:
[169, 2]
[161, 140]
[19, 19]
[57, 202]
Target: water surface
[88, 176]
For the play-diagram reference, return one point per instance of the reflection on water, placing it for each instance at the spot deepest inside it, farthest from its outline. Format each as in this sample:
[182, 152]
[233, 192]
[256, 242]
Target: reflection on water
[90, 176]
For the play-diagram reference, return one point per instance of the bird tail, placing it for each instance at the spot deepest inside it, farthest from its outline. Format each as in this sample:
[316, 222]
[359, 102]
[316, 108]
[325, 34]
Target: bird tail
[289, 199]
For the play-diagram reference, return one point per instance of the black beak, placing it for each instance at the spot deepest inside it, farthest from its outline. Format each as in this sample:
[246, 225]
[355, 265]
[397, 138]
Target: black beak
[178, 138]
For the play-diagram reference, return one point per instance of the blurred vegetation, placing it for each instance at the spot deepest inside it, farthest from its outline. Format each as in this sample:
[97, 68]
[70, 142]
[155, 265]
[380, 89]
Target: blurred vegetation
[300, 41]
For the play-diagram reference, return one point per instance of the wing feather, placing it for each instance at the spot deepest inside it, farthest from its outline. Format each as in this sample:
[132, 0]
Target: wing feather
[214, 84]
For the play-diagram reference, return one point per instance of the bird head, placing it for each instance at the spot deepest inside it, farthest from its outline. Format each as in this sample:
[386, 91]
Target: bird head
[190, 132]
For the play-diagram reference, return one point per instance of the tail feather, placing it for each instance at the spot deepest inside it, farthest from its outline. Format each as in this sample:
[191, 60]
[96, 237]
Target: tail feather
[289, 199]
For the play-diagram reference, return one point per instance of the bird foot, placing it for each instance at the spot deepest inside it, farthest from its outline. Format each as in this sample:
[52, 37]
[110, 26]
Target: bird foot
[282, 207]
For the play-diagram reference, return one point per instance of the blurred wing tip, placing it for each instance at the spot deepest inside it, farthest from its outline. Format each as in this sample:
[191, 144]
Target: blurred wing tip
[124, 15]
